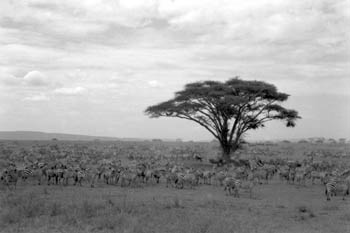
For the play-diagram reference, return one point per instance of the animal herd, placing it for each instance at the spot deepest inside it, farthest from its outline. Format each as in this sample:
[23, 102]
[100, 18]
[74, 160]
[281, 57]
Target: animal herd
[237, 178]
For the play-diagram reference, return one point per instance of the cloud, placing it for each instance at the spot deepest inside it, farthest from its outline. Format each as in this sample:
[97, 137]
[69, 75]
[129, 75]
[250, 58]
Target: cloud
[154, 83]
[31, 79]
[70, 91]
[35, 78]
[9, 80]
[35, 98]
[117, 51]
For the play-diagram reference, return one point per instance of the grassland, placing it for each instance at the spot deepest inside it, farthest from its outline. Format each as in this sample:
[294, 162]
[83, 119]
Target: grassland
[275, 207]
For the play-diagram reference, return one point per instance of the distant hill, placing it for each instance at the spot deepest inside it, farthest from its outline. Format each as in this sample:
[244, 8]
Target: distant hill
[38, 136]
[42, 136]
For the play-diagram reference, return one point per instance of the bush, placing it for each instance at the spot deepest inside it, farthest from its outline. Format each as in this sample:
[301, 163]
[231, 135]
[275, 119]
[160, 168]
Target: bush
[304, 213]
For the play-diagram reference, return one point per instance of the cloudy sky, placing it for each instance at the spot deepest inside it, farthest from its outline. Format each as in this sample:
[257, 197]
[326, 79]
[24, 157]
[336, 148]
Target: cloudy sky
[93, 66]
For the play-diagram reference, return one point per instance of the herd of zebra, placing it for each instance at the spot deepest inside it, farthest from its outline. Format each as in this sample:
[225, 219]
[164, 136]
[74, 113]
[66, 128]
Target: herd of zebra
[243, 175]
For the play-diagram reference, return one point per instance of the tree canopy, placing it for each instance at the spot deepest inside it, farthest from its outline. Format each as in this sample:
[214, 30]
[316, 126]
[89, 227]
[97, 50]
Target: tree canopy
[227, 109]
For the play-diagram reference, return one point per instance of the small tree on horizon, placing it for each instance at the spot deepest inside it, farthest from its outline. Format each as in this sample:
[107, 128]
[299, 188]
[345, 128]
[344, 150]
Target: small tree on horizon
[227, 109]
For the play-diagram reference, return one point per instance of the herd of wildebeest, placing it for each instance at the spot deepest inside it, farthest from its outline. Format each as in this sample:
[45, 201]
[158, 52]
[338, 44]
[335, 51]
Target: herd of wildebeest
[69, 164]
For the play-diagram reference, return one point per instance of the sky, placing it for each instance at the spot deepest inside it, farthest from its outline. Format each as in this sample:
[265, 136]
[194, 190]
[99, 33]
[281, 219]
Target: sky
[92, 67]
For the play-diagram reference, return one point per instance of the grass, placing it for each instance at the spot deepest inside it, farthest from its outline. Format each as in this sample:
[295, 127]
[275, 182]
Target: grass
[346, 217]
[158, 209]
[276, 207]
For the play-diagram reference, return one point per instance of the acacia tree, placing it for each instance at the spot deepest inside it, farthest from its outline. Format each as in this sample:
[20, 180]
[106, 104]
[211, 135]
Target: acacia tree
[227, 109]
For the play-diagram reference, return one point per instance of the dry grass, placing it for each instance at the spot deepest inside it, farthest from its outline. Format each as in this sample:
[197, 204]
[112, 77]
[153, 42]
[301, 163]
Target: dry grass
[158, 209]
[276, 208]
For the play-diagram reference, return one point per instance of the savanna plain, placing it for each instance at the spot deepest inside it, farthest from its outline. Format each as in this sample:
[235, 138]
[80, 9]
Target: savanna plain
[277, 205]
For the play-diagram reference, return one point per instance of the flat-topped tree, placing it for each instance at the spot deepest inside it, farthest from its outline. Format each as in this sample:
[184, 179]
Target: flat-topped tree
[227, 109]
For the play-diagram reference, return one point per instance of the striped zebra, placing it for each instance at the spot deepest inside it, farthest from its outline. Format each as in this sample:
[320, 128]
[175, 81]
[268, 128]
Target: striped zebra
[318, 175]
[171, 179]
[335, 185]
[260, 174]
[25, 173]
[108, 175]
[184, 179]
[255, 163]
[231, 184]
[207, 175]
[31, 172]
[79, 176]
[67, 175]
[128, 177]
[237, 185]
[284, 173]
[270, 169]
[242, 172]
[219, 178]
[50, 175]
[59, 175]
[152, 174]
[291, 175]
[92, 174]
[301, 173]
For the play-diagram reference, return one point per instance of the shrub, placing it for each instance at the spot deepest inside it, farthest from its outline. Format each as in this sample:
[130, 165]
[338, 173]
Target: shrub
[304, 213]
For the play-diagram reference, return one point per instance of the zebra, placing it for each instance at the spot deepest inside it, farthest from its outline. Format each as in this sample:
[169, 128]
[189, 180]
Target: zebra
[92, 175]
[152, 174]
[148, 175]
[128, 177]
[284, 173]
[34, 171]
[79, 176]
[207, 177]
[242, 172]
[291, 175]
[235, 184]
[231, 184]
[68, 173]
[301, 173]
[140, 171]
[336, 185]
[117, 174]
[59, 175]
[51, 175]
[171, 178]
[187, 178]
[108, 175]
[219, 178]
[255, 163]
[261, 174]
[25, 173]
[270, 169]
[157, 173]
[318, 175]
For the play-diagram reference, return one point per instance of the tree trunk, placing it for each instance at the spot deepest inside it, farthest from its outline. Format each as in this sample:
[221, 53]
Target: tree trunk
[226, 153]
